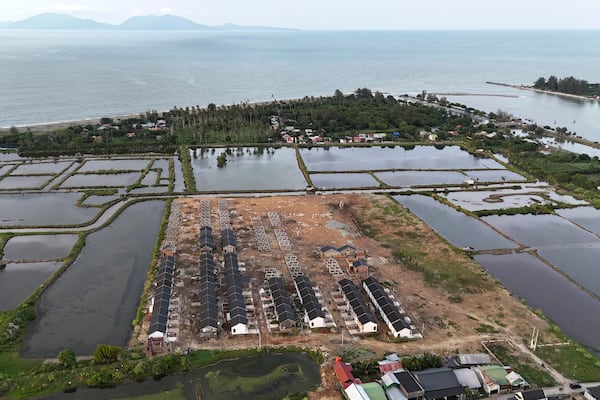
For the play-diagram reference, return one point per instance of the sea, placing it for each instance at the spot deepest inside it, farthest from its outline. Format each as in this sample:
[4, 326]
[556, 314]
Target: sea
[55, 76]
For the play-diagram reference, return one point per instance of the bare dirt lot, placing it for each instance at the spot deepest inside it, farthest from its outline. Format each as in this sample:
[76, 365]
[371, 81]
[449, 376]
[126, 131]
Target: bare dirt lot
[483, 309]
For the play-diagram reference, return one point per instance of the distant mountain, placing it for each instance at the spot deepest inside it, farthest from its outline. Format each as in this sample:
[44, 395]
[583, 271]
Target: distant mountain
[142, 23]
[161, 23]
[56, 21]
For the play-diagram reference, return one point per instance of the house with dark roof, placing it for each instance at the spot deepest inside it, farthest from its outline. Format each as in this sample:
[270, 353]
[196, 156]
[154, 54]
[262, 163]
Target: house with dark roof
[358, 308]
[314, 316]
[286, 314]
[440, 384]
[235, 311]
[157, 330]
[208, 322]
[207, 241]
[402, 385]
[228, 241]
[537, 394]
[592, 393]
[395, 320]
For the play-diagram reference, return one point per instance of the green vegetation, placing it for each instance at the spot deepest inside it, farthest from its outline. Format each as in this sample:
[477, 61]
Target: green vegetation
[66, 358]
[188, 172]
[526, 367]
[573, 361]
[485, 328]
[448, 268]
[221, 160]
[336, 116]
[106, 353]
[422, 361]
[568, 85]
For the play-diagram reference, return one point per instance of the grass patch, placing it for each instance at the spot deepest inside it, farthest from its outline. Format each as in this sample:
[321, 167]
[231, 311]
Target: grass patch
[485, 328]
[440, 263]
[526, 368]
[572, 361]
[186, 165]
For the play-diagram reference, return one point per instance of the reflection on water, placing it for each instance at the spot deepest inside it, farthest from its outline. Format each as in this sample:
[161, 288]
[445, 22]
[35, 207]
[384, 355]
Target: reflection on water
[43, 210]
[39, 247]
[19, 280]
[456, 227]
[95, 300]
[247, 168]
[545, 289]
[340, 181]
[381, 157]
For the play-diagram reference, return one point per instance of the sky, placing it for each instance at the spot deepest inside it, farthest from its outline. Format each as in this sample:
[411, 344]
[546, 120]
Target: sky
[333, 14]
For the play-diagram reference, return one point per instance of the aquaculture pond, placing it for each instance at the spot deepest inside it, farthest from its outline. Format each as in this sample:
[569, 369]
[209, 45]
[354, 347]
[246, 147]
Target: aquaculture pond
[395, 157]
[43, 209]
[41, 168]
[95, 300]
[101, 180]
[39, 247]
[494, 176]
[540, 230]
[247, 168]
[99, 200]
[19, 280]
[578, 261]
[114, 164]
[340, 181]
[421, 178]
[587, 217]
[456, 227]
[24, 182]
[494, 200]
[545, 289]
[264, 377]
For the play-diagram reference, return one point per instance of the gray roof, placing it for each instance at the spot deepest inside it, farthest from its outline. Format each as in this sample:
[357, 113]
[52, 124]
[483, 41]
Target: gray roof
[162, 295]
[360, 308]
[308, 297]
[383, 300]
[283, 305]
[439, 382]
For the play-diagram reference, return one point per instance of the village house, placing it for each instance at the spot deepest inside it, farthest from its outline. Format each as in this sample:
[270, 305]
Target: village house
[359, 310]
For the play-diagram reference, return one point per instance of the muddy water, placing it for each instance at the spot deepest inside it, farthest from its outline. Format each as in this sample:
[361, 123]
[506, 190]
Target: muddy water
[338, 181]
[95, 300]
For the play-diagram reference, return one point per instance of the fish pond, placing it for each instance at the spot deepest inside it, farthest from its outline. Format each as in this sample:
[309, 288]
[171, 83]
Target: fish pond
[394, 157]
[540, 230]
[247, 168]
[47, 168]
[459, 229]
[421, 178]
[19, 280]
[39, 247]
[262, 377]
[587, 217]
[101, 180]
[342, 181]
[545, 289]
[24, 182]
[114, 164]
[43, 209]
[95, 300]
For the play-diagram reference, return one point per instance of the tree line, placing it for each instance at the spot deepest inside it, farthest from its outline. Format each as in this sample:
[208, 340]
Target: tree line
[332, 116]
[568, 85]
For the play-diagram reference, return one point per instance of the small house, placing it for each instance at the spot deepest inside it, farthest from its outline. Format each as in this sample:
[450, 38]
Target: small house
[592, 393]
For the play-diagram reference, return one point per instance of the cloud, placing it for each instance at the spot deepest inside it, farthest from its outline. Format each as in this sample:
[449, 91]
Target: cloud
[165, 10]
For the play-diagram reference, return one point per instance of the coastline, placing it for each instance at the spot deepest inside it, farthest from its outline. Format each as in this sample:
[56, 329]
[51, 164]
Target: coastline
[532, 89]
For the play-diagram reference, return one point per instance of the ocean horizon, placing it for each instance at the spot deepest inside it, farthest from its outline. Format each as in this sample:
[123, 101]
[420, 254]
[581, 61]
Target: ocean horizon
[61, 76]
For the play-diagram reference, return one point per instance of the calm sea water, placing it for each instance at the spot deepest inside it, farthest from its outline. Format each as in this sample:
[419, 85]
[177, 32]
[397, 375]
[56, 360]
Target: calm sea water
[48, 76]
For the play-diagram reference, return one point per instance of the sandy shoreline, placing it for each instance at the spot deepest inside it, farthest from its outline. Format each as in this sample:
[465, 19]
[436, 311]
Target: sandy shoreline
[530, 88]
[51, 126]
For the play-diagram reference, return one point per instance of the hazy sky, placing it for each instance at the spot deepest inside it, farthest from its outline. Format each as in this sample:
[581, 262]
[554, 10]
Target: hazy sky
[334, 14]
